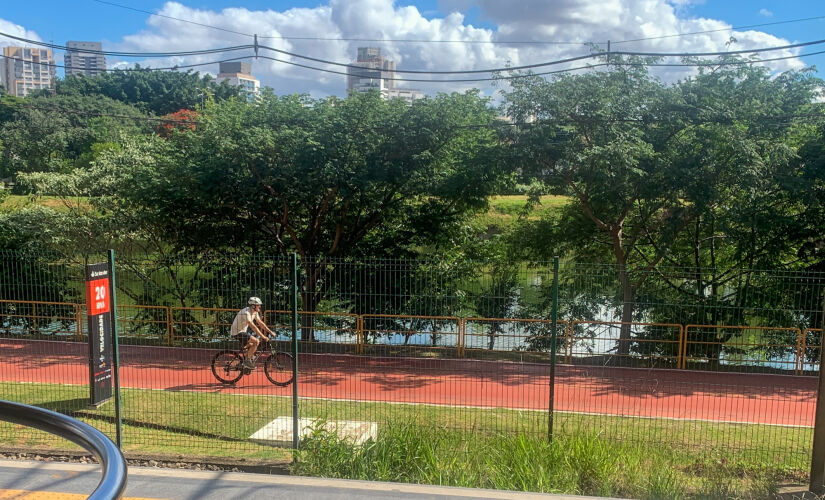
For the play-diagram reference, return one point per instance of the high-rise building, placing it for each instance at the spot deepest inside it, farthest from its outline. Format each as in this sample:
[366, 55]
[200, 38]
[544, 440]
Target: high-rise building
[84, 58]
[378, 73]
[26, 69]
[239, 73]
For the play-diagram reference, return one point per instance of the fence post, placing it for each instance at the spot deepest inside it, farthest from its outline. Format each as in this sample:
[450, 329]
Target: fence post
[684, 346]
[359, 335]
[817, 485]
[294, 317]
[78, 320]
[554, 317]
[115, 349]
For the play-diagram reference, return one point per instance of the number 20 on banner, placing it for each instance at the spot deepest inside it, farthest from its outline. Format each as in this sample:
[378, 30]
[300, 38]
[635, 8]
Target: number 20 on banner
[97, 293]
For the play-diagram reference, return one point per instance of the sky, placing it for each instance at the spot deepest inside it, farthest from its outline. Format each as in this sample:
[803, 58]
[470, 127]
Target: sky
[421, 34]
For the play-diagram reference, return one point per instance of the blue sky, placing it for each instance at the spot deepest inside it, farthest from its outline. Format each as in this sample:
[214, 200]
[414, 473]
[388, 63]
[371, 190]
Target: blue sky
[495, 20]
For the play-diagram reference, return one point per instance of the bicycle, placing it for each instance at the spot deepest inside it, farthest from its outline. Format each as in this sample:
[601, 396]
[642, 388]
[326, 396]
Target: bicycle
[227, 365]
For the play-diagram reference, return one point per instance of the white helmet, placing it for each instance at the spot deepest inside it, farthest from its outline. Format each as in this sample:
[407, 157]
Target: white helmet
[254, 301]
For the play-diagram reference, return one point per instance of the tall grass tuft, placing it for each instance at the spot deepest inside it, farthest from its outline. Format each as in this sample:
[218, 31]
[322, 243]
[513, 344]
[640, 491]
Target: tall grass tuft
[585, 464]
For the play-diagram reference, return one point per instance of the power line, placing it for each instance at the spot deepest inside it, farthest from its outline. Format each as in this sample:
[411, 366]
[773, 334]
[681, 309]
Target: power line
[426, 80]
[130, 54]
[543, 73]
[560, 61]
[407, 40]
[537, 42]
[732, 28]
[342, 39]
[75, 111]
[441, 72]
[110, 70]
[173, 18]
[503, 42]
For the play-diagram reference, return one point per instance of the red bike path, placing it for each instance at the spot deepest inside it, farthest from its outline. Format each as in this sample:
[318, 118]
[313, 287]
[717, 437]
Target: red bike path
[635, 392]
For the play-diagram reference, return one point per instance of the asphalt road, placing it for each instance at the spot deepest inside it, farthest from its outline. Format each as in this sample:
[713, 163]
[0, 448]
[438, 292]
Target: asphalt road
[156, 483]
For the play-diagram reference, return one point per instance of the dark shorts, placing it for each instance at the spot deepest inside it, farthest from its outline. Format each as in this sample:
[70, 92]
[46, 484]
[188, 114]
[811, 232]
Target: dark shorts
[244, 337]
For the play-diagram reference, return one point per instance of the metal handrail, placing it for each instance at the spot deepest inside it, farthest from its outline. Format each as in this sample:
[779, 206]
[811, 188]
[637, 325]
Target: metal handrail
[113, 483]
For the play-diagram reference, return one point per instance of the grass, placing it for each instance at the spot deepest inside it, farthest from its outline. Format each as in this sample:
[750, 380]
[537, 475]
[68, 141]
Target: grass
[505, 211]
[514, 204]
[16, 202]
[499, 448]
[585, 464]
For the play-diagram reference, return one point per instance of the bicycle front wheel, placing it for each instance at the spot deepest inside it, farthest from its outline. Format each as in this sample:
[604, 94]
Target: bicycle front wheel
[278, 368]
[226, 367]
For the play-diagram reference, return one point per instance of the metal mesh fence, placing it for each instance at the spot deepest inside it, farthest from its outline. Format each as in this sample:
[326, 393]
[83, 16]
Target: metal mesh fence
[701, 362]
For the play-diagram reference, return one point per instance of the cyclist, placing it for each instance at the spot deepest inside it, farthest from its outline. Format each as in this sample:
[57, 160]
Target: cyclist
[250, 317]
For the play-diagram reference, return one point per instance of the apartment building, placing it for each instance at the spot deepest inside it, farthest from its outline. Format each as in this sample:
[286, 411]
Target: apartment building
[239, 73]
[376, 72]
[84, 58]
[25, 69]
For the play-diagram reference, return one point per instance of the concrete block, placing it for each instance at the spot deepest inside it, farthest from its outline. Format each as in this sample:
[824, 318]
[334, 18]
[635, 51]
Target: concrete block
[279, 431]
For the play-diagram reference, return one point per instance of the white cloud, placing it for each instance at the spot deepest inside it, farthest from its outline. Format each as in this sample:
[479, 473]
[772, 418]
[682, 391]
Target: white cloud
[16, 30]
[526, 20]
[765, 13]
[617, 20]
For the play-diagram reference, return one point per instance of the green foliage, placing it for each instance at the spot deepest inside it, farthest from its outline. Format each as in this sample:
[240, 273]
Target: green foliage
[157, 92]
[706, 174]
[58, 133]
[329, 177]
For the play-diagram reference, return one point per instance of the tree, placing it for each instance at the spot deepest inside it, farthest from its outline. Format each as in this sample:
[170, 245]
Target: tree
[56, 133]
[182, 119]
[324, 178]
[602, 137]
[158, 92]
[30, 240]
[736, 159]
[696, 174]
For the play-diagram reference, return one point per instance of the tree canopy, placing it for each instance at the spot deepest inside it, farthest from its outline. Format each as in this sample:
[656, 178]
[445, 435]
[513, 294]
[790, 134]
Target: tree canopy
[156, 92]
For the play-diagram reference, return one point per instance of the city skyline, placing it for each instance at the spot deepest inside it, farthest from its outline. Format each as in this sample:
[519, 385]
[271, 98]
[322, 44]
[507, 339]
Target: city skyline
[421, 35]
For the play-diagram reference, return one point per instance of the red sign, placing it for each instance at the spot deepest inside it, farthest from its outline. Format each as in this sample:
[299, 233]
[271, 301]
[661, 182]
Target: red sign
[97, 296]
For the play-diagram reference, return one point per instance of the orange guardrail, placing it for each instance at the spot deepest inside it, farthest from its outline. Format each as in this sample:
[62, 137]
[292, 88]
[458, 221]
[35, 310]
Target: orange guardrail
[493, 336]
[741, 345]
[409, 332]
[174, 321]
[211, 313]
[349, 323]
[76, 315]
[160, 315]
[676, 344]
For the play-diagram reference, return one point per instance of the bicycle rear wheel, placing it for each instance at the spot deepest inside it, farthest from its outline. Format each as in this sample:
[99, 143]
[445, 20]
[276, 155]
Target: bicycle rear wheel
[278, 368]
[226, 367]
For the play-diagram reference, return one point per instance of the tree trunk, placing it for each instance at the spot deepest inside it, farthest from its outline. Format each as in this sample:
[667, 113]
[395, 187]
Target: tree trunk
[627, 311]
[623, 349]
[493, 334]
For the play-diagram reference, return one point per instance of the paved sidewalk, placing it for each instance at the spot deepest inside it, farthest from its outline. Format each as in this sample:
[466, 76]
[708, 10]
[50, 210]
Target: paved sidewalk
[44, 480]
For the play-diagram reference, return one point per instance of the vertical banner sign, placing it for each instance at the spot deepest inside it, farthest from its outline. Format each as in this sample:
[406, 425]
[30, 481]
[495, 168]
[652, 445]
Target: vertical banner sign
[98, 305]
